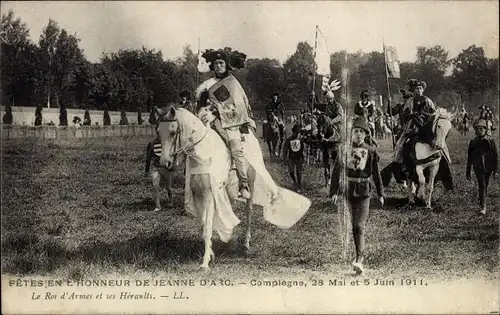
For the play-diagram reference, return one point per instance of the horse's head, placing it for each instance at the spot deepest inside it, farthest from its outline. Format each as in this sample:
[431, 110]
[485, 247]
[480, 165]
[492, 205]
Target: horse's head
[167, 130]
[441, 125]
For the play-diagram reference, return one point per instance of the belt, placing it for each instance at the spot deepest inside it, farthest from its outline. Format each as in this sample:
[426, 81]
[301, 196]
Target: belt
[358, 179]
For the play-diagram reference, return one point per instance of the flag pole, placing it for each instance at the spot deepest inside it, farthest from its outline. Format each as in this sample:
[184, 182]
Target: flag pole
[388, 94]
[198, 71]
[314, 68]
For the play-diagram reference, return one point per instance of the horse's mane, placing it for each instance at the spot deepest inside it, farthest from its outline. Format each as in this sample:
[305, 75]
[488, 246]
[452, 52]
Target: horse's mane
[443, 113]
[188, 121]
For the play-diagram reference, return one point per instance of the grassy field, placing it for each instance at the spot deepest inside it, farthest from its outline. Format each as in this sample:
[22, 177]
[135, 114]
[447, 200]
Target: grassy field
[82, 209]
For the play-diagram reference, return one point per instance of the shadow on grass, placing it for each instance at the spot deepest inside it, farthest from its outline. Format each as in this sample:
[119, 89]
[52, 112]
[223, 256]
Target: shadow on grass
[29, 254]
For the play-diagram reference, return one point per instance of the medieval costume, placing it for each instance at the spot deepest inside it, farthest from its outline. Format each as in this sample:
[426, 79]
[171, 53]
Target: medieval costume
[483, 158]
[402, 111]
[366, 109]
[229, 103]
[362, 165]
[186, 103]
[293, 155]
[417, 110]
[275, 109]
[156, 171]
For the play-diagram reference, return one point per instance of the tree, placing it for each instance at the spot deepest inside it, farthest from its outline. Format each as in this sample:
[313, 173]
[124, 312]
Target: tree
[186, 71]
[18, 60]
[139, 116]
[66, 60]
[470, 73]
[106, 120]
[372, 75]
[123, 118]
[7, 117]
[86, 118]
[264, 77]
[152, 117]
[298, 73]
[63, 115]
[38, 116]
[432, 64]
[47, 44]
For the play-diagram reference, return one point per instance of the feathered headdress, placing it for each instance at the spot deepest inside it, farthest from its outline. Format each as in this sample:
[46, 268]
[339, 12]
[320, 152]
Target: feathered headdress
[329, 88]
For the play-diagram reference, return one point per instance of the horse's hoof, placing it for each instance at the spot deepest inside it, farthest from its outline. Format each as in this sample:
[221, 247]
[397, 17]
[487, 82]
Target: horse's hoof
[204, 268]
[157, 209]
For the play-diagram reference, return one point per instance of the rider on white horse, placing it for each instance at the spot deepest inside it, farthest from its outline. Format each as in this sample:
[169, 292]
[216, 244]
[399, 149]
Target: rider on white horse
[229, 103]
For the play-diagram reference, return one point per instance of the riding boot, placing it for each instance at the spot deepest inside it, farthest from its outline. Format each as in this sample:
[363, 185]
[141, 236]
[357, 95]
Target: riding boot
[236, 149]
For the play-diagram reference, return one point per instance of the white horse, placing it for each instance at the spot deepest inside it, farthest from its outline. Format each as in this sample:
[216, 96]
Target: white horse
[211, 187]
[428, 156]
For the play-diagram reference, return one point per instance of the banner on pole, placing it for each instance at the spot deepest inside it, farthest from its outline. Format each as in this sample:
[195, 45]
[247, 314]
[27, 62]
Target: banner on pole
[322, 56]
[203, 65]
[391, 59]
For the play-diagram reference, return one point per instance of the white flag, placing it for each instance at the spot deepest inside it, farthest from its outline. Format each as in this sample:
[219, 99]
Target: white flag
[322, 56]
[203, 65]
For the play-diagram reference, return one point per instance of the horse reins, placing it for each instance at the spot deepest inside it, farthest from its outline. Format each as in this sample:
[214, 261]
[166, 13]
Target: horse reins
[189, 145]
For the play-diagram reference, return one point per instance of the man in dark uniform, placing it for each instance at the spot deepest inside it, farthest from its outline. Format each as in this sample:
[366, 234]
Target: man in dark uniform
[185, 102]
[275, 109]
[402, 111]
[293, 156]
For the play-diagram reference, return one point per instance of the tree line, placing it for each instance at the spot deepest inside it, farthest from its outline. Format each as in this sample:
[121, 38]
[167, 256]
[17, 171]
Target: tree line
[55, 69]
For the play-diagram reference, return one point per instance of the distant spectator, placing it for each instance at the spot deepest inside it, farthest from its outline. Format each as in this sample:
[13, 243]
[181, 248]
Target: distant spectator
[77, 121]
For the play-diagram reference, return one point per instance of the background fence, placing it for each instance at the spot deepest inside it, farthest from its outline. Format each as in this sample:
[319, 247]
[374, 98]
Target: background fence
[74, 132]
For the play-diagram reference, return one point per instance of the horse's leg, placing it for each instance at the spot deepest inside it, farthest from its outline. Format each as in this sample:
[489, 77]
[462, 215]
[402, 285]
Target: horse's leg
[201, 184]
[155, 178]
[275, 144]
[269, 146]
[432, 175]
[421, 182]
[249, 209]
[409, 189]
[168, 179]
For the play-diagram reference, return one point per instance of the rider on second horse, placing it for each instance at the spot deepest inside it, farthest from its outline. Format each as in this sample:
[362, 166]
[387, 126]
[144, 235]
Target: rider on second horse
[420, 108]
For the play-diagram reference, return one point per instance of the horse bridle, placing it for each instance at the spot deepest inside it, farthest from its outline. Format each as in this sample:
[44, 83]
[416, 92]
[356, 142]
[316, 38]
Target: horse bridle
[188, 146]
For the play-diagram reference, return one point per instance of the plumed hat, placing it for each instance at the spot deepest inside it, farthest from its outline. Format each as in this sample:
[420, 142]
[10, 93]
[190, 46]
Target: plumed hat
[275, 94]
[184, 94]
[360, 123]
[364, 93]
[233, 59]
[412, 84]
[422, 84]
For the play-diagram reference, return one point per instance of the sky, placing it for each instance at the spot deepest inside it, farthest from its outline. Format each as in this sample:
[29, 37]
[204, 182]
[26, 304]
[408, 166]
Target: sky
[270, 29]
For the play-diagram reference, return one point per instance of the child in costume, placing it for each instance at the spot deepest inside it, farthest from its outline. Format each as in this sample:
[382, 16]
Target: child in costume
[483, 158]
[362, 164]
